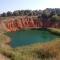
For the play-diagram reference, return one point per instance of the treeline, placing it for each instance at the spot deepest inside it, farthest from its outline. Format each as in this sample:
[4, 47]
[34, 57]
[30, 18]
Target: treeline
[47, 11]
[22, 13]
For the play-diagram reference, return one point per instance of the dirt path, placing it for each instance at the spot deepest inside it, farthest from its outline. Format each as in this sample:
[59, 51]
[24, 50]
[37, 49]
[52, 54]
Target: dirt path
[2, 57]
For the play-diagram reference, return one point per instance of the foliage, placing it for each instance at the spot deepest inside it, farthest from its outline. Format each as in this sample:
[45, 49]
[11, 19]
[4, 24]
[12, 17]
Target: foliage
[48, 11]
[9, 13]
[55, 18]
[3, 14]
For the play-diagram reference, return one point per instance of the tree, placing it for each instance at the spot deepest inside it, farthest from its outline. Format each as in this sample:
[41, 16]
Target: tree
[16, 13]
[55, 18]
[34, 12]
[44, 18]
[9, 13]
[3, 14]
[27, 12]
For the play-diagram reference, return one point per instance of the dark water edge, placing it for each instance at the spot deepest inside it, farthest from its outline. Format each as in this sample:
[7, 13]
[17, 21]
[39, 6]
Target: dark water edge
[27, 37]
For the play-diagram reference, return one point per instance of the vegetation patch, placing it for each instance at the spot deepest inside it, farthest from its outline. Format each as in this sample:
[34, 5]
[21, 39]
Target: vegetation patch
[54, 31]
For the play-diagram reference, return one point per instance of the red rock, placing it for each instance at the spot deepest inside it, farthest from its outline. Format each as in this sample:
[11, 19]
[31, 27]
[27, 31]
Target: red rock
[28, 22]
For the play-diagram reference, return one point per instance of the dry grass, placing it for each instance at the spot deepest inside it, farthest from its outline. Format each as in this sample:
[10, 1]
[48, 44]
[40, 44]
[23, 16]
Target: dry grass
[45, 51]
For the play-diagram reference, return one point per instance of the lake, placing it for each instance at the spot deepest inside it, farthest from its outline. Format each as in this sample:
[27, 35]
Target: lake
[27, 37]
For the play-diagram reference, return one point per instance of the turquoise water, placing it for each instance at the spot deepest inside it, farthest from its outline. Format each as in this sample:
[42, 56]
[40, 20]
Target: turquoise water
[22, 38]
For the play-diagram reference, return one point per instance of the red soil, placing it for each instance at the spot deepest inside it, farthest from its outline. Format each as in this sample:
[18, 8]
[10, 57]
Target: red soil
[28, 22]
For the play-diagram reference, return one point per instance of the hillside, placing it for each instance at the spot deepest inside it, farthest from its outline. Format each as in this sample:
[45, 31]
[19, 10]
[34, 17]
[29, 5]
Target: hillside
[27, 22]
[43, 51]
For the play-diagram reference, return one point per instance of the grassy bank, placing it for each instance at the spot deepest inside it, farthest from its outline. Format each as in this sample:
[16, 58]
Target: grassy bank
[39, 51]
[45, 51]
[55, 31]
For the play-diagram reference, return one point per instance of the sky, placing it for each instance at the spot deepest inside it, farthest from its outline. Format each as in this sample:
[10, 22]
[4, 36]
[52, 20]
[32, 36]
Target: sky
[11, 5]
